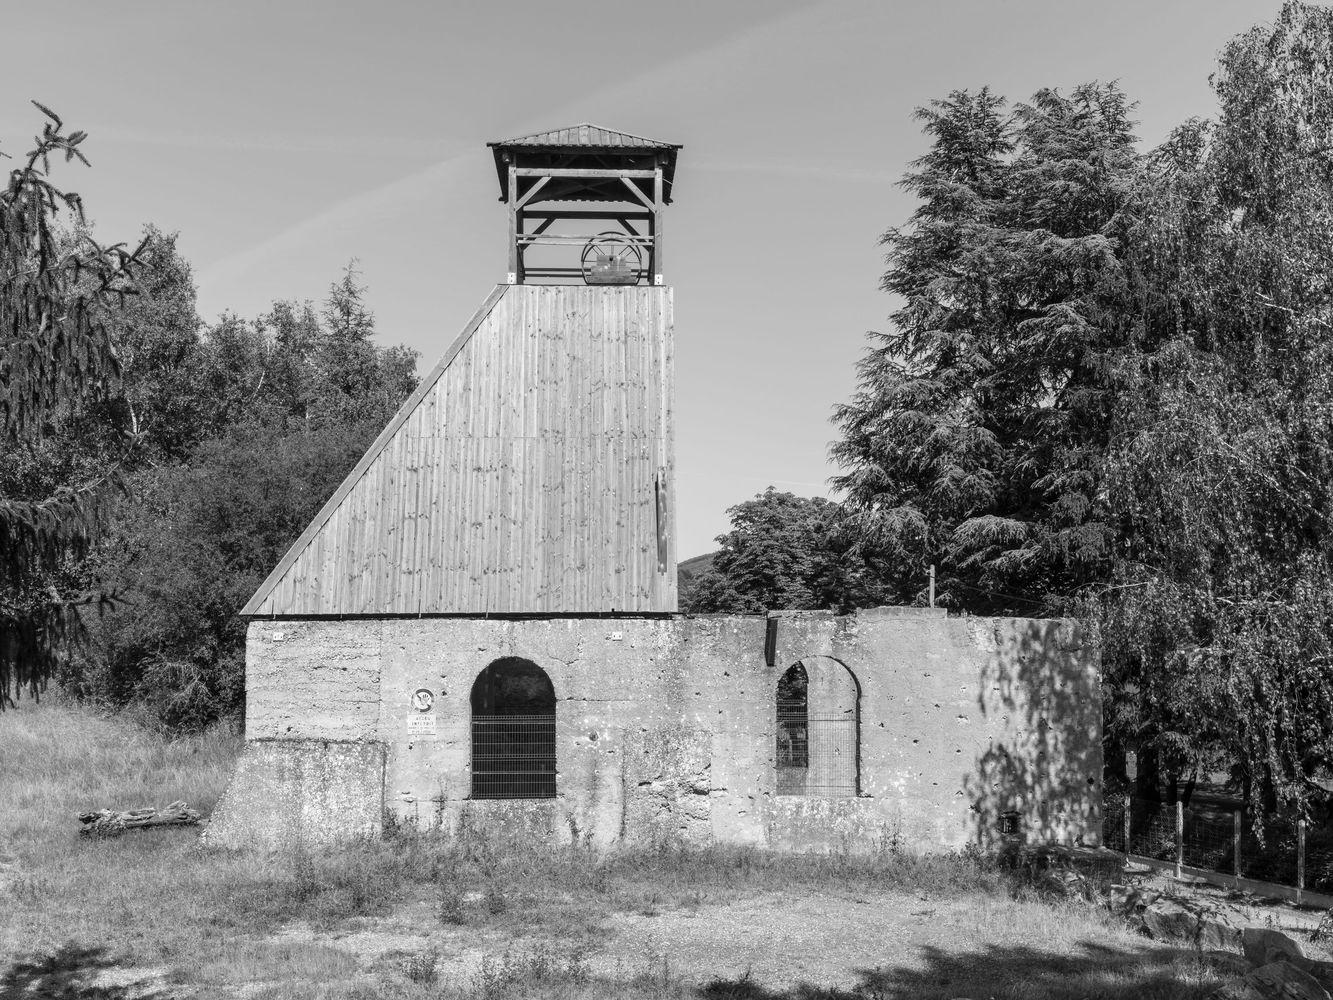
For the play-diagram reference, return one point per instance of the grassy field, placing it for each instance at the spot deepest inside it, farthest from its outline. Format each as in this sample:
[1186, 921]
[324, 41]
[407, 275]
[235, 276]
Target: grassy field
[151, 914]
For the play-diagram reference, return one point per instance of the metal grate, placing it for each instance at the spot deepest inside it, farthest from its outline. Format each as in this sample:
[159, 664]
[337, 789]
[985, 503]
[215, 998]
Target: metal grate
[513, 756]
[816, 756]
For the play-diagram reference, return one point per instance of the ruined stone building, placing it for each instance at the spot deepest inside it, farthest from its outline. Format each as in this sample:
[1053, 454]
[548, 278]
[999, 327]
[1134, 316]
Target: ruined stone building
[480, 627]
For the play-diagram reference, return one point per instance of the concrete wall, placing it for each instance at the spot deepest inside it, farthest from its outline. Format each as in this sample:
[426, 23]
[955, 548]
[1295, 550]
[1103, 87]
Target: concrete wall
[666, 727]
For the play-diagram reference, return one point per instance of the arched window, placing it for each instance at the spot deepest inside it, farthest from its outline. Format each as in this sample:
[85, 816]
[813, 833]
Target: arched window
[818, 729]
[513, 732]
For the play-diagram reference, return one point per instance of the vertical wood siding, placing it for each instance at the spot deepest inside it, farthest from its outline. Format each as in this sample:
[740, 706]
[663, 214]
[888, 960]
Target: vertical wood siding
[524, 479]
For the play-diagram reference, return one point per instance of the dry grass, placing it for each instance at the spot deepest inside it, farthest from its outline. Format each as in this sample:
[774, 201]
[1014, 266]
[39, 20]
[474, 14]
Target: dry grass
[465, 919]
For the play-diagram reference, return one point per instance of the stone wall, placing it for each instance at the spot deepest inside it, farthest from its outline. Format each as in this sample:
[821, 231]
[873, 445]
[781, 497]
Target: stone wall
[666, 727]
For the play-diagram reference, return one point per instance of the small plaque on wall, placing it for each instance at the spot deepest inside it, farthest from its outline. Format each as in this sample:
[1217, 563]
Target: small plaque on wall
[421, 726]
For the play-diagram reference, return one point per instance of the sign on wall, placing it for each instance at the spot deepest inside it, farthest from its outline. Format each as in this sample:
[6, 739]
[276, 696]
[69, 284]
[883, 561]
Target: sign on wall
[422, 724]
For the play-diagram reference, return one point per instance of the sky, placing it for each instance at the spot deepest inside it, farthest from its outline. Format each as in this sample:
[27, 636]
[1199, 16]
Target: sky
[281, 139]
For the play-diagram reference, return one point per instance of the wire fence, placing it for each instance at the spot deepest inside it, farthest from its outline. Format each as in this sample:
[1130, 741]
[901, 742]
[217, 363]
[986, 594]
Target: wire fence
[513, 756]
[1215, 838]
[816, 756]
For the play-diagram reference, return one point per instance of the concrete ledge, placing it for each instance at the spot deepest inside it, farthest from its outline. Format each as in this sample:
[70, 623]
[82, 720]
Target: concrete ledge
[309, 793]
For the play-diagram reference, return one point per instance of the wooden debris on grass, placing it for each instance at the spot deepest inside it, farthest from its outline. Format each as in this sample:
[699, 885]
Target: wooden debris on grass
[108, 823]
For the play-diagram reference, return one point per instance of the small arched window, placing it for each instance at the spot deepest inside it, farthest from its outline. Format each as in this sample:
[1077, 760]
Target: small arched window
[513, 732]
[818, 729]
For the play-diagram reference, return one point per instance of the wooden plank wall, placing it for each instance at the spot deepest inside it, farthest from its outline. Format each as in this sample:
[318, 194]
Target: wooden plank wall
[524, 480]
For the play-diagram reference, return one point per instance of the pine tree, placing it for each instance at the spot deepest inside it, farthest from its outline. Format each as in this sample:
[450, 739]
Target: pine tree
[973, 438]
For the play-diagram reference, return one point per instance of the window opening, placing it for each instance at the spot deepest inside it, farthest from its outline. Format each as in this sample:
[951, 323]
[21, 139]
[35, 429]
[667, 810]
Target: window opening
[513, 732]
[817, 731]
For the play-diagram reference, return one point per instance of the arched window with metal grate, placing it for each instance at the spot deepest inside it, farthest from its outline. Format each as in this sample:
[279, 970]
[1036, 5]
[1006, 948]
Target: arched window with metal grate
[818, 729]
[513, 732]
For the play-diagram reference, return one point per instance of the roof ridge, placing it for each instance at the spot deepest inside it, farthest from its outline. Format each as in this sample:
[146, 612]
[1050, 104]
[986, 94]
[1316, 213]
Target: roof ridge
[585, 124]
[618, 131]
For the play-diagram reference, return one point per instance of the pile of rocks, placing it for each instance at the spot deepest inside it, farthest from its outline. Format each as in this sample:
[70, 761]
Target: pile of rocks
[1270, 963]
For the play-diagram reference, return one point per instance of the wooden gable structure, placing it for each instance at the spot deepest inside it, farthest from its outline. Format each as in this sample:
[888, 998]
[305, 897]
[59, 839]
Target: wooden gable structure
[530, 472]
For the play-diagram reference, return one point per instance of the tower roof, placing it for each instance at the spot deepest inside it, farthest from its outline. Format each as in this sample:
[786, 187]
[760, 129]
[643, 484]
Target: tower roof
[586, 135]
[587, 142]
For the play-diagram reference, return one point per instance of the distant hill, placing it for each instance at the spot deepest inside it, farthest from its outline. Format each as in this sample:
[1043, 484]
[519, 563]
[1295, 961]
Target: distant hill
[689, 571]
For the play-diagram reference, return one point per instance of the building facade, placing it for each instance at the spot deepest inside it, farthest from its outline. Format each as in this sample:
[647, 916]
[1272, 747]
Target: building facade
[480, 628]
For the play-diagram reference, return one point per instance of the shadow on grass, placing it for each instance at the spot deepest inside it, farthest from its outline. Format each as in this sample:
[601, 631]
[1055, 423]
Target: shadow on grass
[69, 973]
[1093, 972]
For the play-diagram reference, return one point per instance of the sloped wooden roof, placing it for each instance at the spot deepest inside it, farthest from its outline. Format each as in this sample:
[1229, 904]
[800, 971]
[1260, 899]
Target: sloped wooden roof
[586, 142]
[530, 472]
[586, 135]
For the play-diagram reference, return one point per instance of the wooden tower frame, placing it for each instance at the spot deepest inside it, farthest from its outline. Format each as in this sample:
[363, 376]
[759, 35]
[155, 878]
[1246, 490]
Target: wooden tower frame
[541, 174]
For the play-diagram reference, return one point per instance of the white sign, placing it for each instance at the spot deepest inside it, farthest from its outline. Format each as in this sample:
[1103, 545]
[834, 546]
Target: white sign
[421, 725]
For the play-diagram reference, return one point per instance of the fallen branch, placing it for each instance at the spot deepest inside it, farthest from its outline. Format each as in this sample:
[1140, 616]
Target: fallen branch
[106, 823]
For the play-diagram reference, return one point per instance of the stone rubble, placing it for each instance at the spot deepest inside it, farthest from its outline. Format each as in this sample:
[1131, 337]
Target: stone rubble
[1268, 962]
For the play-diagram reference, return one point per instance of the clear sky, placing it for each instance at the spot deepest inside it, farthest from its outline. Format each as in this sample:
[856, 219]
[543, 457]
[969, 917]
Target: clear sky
[282, 138]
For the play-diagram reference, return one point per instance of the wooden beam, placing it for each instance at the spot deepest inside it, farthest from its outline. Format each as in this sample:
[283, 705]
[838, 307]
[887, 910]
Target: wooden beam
[542, 228]
[638, 194]
[373, 452]
[532, 191]
[586, 213]
[512, 276]
[522, 224]
[646, 175]
[571, 238]
[657, 226]
[625, 224]
[592, 189]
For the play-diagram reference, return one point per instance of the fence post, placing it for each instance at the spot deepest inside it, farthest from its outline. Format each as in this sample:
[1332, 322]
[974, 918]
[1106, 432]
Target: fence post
[1235, 838]
[1180, 836]
[1129, 804]
[1300, 860]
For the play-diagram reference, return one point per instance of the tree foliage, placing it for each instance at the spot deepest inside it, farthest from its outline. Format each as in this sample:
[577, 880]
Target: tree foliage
[973, 438]
[1219, 632]
[57, 359]
[274, 415]
[791, 553]
[1108, 391]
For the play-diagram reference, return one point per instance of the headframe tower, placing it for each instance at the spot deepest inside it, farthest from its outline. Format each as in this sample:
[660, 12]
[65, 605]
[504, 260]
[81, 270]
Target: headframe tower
[532, 471]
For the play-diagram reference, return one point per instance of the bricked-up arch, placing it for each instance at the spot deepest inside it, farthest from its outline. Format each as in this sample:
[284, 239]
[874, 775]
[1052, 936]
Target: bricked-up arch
[818, 729]
[513, 731]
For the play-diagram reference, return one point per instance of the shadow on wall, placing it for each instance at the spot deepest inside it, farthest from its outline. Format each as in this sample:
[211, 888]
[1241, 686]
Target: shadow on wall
[1040, 782]
[1088, 969]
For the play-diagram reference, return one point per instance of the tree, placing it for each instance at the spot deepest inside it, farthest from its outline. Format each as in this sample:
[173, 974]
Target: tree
[786, 552]
[56, 358]
[1110, 391]
[973, 439]
[285, 407]
[1219, 629]
[159, 403]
